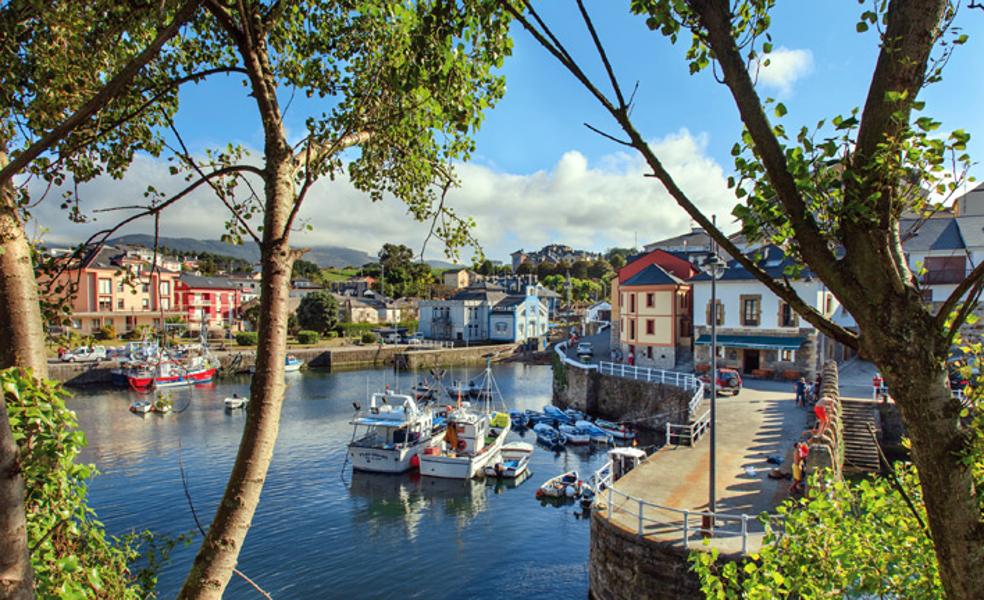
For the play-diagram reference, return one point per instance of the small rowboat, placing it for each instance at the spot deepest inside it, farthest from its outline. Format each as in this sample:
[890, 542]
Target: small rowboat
[619, 432]
[548, 436]
[141, 407]
[576, 435]
[512, 462]
[235, 402]
[565, 485]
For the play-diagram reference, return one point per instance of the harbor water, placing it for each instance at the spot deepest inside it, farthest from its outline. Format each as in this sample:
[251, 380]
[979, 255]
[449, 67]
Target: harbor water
[322, 531]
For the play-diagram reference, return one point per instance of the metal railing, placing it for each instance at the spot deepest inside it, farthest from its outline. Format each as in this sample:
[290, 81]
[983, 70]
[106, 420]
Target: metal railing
[561, 350]
[691, 433]
[649, 518]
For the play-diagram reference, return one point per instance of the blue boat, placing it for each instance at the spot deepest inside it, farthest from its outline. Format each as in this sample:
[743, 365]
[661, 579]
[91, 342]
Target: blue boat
[548, 436]
[533, 417]
[597, 434]
[519, 418]
[558, 415]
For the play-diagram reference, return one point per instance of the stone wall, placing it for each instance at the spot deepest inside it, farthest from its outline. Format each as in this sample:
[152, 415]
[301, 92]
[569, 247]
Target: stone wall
[623, 566]
[827, 448]
[649, 405]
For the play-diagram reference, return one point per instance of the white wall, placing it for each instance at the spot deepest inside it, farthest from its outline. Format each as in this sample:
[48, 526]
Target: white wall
[729, 294]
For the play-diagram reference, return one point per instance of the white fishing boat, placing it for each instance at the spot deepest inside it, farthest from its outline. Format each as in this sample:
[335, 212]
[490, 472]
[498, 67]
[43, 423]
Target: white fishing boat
[512, 462]
[235, 402]
[474, 437]
[391, 436]
[293, 364]
[565, 485]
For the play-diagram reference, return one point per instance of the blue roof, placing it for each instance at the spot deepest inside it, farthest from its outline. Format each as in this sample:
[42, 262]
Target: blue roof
[940, 233]
[760, 342]
[652, 275]
[772, 260]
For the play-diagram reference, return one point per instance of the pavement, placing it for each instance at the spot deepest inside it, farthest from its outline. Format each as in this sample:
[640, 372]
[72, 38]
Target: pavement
[762, 421]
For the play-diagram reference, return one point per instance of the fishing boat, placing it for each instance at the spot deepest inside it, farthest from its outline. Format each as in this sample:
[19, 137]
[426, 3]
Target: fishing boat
[513, 460]
[565, 485]
[548, 436]
[293, 364]
[235, 402]
[556, 414]
[141, 407]
[576, 435]
[575, 415]
[618, 431]
[535, 417]
[173, 374]
[598, 435]
[423, 391]
[392, 434]
[473, 439]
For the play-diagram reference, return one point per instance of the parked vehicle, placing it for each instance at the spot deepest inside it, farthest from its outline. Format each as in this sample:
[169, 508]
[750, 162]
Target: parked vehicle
[85, 354]
[728, 382]
[585, 349]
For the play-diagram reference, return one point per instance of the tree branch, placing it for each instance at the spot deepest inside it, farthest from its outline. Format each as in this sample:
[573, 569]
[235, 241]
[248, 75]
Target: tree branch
[113, 88]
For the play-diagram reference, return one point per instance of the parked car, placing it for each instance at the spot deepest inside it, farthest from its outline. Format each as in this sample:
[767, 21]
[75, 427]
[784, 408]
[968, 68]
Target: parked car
[85, 354]
[416, 339]
[585, 349]
[728, 382]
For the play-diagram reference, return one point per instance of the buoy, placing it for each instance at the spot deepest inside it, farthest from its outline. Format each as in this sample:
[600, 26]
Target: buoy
[415, 462]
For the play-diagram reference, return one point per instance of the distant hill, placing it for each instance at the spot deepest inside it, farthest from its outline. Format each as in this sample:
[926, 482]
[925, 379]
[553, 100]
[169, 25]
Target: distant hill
[323, 256]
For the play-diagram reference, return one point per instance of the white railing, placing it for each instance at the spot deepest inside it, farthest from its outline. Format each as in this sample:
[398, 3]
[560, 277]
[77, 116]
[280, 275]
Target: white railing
[561, 350]
[664, 519]
[681, 380]
[691, 433]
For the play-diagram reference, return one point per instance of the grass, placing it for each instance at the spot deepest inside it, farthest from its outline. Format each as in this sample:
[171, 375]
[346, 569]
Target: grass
[338, 274]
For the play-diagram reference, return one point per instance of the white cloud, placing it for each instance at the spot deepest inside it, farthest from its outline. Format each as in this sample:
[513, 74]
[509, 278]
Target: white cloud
[588, 206]
[784, 69]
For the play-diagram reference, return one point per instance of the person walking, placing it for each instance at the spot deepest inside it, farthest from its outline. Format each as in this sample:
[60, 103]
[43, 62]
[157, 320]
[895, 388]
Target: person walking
[801, 392]
[631, 358]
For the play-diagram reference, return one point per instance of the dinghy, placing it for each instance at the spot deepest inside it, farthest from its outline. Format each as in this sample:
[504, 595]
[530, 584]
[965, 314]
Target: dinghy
[548, 436]
[512, 462]
[576, 435]
[556, 414]
[141, 407]
[293, 364]
[235, 402]
[519, 419]
[565, 485]
[598, 435]
[619, 432]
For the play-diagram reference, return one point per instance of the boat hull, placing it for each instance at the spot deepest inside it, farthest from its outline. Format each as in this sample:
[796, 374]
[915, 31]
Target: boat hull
[389, 460]
[143, 384]
[462, 467]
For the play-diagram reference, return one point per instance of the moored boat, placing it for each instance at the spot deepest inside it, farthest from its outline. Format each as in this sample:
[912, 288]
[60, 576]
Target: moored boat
[519, 419]
[576, 435]
[512, 461]
[172, 374]
[556, 414]
[565, 485]
[395, 433]
[235, 402]
[618, 431]
[598, 435]
[293, 364]
[141, 407]
[548, 436]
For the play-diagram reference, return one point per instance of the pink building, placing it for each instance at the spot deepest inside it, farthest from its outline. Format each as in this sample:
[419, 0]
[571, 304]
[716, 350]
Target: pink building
[214, 302]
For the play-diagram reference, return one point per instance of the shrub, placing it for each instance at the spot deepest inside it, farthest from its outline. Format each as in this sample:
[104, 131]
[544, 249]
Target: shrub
[331, 334]
[318, 311]
[247, 338]
[135, 335]
[355, 329]
[107, 332]
[308, 337]
[368, 338]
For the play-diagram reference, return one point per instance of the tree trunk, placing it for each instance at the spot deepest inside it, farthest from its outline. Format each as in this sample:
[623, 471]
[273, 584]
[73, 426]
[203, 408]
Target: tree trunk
[21, 345]
[911, 353]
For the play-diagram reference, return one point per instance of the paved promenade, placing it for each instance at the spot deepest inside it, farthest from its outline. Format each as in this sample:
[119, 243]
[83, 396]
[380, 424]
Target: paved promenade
[761, 421]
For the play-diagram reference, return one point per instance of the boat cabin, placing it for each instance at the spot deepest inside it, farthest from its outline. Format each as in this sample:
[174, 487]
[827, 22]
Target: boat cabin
[467, 432]
[393, 421]
[624, 460]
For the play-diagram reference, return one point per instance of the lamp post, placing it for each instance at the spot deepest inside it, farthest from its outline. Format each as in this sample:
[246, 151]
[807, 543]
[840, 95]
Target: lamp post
[714, 266]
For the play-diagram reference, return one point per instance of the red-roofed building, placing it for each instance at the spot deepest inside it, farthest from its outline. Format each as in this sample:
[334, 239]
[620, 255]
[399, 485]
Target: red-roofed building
[214, 302]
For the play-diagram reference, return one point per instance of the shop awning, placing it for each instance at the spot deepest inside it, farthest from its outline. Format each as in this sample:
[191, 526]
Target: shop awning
[754, 342]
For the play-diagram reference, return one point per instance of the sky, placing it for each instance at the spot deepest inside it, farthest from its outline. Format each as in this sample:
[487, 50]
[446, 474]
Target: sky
[538, 175]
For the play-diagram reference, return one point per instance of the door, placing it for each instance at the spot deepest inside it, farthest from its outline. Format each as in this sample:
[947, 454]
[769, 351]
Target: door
[751, 360]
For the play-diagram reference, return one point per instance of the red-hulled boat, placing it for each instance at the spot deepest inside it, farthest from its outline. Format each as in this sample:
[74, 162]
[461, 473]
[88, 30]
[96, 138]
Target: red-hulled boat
[170, 374]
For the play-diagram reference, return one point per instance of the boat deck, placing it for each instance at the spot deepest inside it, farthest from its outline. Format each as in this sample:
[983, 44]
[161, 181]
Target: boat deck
[758, 423]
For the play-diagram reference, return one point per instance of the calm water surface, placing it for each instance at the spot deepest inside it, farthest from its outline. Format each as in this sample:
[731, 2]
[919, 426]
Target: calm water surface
[322, 531]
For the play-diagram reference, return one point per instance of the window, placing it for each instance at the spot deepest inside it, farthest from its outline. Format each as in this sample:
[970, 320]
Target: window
[787, 316]
[145, 288]
[720, 351]
[501, 327]
[720, 313]
[105, 286]
[926, 294]
[787, 355]
[96, 324]
[119, 285]
[165, 288]
[166, 303]
[119, 304]
[685, 300]
[650, 327]
[650, 299]
[631, 330]
[632, 308]
[751, 307]
[146, 304]
[105, 305]
[649, 352]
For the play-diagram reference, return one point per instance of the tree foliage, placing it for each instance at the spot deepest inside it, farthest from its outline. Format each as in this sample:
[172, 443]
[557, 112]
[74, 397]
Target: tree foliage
[318, 312]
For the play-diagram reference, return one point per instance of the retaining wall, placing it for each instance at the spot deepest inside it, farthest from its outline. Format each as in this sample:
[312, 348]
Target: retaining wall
[649, 405]
[827, 448]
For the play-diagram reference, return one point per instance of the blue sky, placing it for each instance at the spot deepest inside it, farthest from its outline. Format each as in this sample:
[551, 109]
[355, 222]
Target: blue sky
[539, 176]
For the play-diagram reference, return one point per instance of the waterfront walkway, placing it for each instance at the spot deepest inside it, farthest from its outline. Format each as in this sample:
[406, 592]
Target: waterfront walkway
[762, 421]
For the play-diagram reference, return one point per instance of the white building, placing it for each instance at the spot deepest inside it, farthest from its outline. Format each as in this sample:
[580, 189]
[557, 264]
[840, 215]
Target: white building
[484, 313]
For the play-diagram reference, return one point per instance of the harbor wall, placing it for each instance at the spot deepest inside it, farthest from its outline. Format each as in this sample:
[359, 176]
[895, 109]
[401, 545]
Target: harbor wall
[623, 566]
[648, 405]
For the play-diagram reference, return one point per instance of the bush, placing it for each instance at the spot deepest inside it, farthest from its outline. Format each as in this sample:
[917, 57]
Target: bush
[368, 338]
[135, 335]
[355, 329]
[107, 332]
[318, 311]
[308, 337]
[331, 334]
[247, 338]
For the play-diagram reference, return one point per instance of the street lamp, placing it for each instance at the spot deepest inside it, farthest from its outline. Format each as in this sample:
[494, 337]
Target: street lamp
[714, 266]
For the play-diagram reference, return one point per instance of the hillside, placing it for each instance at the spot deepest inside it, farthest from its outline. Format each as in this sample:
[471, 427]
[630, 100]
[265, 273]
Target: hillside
[323, 256]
